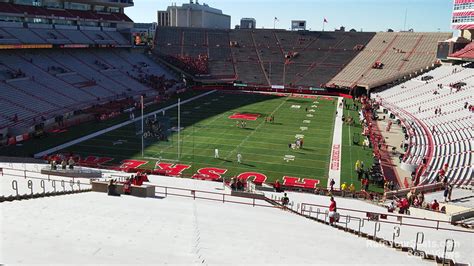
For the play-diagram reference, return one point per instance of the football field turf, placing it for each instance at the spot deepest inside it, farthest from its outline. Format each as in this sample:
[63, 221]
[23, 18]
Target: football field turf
[208, 125]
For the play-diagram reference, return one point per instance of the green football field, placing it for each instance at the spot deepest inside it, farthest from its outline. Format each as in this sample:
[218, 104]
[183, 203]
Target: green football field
[207, 126]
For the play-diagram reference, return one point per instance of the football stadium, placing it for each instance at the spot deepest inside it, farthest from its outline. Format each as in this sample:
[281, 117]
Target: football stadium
[187, 140]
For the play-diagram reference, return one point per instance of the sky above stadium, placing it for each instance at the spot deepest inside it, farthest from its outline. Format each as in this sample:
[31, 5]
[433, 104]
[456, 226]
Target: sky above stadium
[368, 15]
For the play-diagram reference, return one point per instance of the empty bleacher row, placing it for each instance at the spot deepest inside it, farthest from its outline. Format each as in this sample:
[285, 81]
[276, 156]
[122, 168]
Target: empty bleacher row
[16, 33]
[54, 82]
[443, 104]
[398, 53]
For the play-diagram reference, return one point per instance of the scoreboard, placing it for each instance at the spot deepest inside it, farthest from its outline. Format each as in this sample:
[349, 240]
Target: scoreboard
[298, 25]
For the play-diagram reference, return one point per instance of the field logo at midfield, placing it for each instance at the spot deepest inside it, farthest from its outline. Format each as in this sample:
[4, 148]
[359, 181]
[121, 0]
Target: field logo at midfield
[336, 150]
[290, 181]
[172, 169]
[209, 173]
[244, 116]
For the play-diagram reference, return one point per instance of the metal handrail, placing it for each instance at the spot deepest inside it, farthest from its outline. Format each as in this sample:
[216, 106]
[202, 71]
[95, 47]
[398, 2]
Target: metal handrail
[379, 213]
[406, 224]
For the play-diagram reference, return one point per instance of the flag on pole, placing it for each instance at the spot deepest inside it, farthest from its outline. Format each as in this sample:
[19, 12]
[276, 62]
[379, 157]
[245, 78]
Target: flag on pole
[141, 100]
[325, 20]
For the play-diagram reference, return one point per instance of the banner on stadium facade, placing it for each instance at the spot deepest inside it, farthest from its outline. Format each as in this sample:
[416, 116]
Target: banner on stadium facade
[25, 46]
[278, 87]
[316, 89]
[240, 85]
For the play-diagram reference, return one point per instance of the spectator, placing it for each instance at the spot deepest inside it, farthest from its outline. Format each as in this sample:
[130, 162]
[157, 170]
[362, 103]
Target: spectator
[403, 205]
[450, 192]
[64, 164]
[127, 186]
[53, 164]
[445, 180]
[343, 189]
[421, 198]
[277, 186]
[139, 179]
[71, 163]
[416, 202]
[233, 184]
[239, 185]
[333, 217]
[445, 194]
[435, 205]
[331, 184]
[352, 189]
[365, 184]
[285, 200]
[391, 207]
[111, 189]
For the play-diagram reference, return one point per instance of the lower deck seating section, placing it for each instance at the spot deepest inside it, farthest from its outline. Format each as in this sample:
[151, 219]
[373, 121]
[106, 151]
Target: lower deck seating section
[40, 84]
[443, 106]
[390, 56]
[21, 35]
[265, 57]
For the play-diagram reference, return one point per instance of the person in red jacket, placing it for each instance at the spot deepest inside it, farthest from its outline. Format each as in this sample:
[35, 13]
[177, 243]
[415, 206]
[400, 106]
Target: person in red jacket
[139, 178]
[145, 178]
[435, 205]
[126, 186]
[332, 211]
[277, 186]
[403, 205]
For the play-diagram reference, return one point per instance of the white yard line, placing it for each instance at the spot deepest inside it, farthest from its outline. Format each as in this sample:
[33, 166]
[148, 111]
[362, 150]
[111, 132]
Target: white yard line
[253, 132]
[103, 131]
[336, 148]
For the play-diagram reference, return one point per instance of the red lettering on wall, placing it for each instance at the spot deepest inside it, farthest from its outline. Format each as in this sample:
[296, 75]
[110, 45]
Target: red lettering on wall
[211, 174]
[170, 169]
[290, 181]
[335, 157]
[258, 178]
[131, 164]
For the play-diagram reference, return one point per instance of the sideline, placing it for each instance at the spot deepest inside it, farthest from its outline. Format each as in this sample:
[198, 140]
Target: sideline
[336, 148]
[103, 131]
